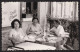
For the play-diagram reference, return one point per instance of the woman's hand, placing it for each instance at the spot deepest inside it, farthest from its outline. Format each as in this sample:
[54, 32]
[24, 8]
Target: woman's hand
[37, 32]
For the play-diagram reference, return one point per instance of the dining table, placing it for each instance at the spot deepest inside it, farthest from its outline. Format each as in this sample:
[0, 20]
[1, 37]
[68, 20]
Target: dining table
[32, 46]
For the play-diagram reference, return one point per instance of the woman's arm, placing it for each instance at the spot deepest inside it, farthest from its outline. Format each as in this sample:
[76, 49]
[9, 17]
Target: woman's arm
[24, 35]
[41, 30]
[29, 31]
[10, 35]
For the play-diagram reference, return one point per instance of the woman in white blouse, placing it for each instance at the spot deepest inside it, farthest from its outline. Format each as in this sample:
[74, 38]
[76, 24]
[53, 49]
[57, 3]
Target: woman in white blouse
[16, 34]
[34, 30]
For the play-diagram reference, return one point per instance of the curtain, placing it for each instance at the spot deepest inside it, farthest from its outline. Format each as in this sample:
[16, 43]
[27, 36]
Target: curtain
[64, 10]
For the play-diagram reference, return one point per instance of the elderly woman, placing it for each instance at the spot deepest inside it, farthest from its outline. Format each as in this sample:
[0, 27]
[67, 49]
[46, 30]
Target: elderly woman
[34, 30]
[16, 34]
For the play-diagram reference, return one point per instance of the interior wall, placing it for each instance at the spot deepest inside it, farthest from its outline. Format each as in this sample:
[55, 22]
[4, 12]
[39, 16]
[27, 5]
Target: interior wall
[10, 13]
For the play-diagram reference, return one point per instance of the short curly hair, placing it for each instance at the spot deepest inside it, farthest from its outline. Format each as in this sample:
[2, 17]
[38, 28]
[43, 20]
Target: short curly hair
[12, 23]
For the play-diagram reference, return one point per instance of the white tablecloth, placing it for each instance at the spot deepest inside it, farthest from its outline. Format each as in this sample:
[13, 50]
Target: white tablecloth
[35, 46]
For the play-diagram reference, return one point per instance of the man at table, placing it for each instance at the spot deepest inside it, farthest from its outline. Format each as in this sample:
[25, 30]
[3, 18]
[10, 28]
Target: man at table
[59, 31]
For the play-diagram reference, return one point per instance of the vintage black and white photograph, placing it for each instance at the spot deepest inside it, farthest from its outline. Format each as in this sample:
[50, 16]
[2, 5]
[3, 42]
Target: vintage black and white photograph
[40, 26]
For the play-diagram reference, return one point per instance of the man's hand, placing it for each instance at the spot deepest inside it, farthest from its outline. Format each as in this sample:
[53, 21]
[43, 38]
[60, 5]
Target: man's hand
[53, 29]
